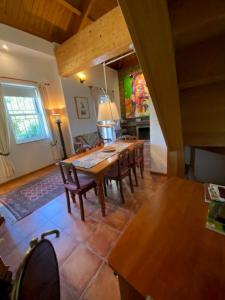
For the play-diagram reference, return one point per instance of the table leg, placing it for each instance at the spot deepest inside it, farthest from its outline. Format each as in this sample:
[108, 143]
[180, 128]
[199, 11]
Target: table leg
[101, 197]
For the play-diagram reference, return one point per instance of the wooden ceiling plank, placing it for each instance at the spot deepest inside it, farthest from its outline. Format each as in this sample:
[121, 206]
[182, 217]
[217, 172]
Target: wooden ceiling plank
[152, 38]
[28, 9]
[192, 69]
[54, 21]
[70, 7]
[193, 21]
[95, 44]
[86, 8]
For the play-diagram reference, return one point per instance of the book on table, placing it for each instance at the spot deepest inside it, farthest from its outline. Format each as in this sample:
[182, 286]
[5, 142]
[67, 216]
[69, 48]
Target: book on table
[214, 192]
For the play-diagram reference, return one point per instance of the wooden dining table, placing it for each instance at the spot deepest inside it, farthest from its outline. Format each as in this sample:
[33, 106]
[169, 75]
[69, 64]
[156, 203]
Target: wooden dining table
[99, 170]
[167, 252]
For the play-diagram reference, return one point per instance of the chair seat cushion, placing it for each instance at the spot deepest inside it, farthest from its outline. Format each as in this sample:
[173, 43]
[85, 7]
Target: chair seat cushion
[84, 181]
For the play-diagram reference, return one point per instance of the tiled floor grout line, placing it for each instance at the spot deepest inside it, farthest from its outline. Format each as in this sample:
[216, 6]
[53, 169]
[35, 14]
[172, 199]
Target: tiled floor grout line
[91, 280]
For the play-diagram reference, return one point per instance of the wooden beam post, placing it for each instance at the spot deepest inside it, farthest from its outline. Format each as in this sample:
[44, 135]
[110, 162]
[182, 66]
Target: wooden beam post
[149, 26]
[102, 40]
[69, 7]
[86, 8]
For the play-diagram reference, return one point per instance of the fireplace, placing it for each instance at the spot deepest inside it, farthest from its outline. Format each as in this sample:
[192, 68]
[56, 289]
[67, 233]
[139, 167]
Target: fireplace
[143, 132]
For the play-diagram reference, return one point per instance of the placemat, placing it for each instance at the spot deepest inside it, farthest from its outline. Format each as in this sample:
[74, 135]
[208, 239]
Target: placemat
[92, 159]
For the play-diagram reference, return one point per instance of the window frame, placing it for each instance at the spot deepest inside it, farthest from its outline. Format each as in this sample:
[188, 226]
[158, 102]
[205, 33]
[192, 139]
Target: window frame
[39, 113]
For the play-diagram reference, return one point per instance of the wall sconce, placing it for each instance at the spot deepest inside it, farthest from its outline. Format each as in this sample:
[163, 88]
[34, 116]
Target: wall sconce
[82, 77]
[57, 118]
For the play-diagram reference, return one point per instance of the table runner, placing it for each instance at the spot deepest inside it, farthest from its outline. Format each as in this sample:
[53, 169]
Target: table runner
[94, 158]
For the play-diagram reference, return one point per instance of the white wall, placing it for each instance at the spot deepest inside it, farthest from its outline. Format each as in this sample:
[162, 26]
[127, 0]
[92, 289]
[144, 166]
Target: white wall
[24, 63]
[209, 166]
[24, 39]
[158, 148]
[72, 87]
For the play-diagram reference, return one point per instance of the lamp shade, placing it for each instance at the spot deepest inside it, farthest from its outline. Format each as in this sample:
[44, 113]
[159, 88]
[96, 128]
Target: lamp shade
[107, 111]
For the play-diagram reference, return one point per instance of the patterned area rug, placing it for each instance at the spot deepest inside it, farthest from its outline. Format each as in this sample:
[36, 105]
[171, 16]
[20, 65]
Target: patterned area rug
[24, 200]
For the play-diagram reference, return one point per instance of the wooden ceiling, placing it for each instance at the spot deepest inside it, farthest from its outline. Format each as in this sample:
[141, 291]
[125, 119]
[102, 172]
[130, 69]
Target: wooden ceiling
[125, 63]
[53, 20]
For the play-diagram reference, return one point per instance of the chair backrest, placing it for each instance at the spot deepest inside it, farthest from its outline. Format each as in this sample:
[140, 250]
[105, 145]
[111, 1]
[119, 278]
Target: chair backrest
[69, 173]
[139, 151]
[83, 149]
[123, 162]
[31, 281]
[127, 137]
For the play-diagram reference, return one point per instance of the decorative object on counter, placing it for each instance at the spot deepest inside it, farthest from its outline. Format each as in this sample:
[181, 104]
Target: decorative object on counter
[82, 107]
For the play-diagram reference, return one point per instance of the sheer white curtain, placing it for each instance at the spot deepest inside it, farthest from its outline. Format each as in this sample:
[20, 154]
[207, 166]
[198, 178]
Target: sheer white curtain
[6, 165]
[45, 102]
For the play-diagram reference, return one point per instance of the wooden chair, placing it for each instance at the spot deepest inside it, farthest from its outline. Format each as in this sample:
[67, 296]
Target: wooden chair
[75, 184]
[139, 158]
[119, 171]
[127, 137]
[83, 149]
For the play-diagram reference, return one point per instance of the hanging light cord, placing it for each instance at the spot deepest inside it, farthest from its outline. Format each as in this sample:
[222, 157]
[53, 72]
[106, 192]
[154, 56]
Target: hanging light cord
[104, 70]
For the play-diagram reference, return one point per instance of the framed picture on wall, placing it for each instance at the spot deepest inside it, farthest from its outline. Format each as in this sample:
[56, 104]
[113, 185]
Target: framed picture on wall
[82, 107]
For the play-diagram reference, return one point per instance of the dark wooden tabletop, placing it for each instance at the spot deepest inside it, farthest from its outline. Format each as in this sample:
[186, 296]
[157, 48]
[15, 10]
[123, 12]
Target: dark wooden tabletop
[167, 252]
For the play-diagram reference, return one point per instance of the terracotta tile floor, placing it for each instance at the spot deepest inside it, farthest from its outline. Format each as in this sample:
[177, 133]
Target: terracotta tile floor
[82, 248]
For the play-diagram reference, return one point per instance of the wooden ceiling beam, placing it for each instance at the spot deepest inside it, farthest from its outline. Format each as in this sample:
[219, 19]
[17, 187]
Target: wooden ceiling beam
[102, 40]
[86, 8]
[153, 42]
[70, 7]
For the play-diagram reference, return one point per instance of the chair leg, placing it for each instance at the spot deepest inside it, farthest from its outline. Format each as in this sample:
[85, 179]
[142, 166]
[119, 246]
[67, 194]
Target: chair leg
[135, 175]
[121, 191]
[81, 207]
[142, 169]
[73, 197]
[85, 196]
[105, 189]
[131, 183]
[96, 192]
[68, 201]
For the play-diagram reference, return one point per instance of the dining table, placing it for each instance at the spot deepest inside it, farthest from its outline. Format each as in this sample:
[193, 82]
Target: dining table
[98, 171]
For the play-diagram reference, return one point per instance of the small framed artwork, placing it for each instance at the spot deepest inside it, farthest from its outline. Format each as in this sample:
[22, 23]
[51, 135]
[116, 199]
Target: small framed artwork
[82, 107]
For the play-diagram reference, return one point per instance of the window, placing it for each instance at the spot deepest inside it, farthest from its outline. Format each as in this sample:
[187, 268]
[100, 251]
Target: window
[25, 112]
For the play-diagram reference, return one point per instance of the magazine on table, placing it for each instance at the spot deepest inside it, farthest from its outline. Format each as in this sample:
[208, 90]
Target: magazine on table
[216, 217]
[216, 193]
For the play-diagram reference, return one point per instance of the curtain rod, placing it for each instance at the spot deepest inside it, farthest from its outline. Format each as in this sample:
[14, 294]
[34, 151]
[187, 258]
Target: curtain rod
[24, 80]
